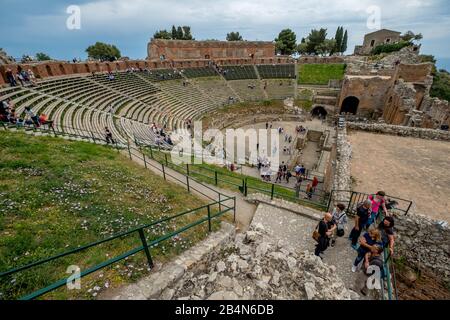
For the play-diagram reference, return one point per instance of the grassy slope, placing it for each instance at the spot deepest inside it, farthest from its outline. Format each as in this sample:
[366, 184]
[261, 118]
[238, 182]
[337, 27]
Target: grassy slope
[320, 73]
[56, 195]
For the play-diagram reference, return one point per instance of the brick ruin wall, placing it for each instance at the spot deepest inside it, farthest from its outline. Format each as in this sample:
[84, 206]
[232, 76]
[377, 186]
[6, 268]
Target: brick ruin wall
[183, 49]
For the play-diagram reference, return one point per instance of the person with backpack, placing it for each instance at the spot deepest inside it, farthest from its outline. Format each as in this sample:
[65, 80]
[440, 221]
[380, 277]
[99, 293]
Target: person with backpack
[288, 176]
[362, 217]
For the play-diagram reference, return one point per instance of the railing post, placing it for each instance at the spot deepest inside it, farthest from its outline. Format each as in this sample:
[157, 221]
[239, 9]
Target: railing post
[164, 171]
[209, 218]
[409, 207]
[129, 150]
[220, 203]
[272, 192]
[215, 178]
[187, 184]
[145, 161]
[245, 187]
[146, 250]
[234, 209]
[187, 168]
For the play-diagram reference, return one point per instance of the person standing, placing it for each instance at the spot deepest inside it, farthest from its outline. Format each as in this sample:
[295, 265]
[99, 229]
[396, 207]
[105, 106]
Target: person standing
[378, 202]
[108, 136]
[368, 243]
[386, 228]
[323, 235]
[361, 219]
[340, 218]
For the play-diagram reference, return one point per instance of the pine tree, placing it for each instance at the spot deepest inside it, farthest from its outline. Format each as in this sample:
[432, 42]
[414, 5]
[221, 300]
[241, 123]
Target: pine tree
[344, 42]
[174, 33]
[339, 39]
[180, 33]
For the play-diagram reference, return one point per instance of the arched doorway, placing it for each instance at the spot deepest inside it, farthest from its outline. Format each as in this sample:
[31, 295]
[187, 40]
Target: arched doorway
[350, 105]
[319, 112]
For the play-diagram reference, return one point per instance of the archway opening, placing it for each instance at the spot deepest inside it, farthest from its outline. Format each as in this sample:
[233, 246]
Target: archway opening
[319, 112]
[350, 105]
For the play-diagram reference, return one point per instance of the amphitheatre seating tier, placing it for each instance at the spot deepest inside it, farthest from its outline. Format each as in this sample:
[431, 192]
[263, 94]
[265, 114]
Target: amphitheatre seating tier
[216, 88]
[239, 72]
[157, 75]
[245, 92]
[280, 89]
[269, 71]
[199, 72]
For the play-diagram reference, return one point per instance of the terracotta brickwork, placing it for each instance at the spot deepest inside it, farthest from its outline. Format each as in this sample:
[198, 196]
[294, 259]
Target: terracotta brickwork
[187, 49]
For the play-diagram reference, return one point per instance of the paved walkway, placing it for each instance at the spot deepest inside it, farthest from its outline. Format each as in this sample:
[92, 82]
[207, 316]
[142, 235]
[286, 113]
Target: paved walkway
[297, 230]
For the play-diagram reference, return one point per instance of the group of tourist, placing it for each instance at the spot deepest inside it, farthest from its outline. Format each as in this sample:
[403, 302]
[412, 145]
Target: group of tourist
[22, 77]
[368, 237]
[30, 118]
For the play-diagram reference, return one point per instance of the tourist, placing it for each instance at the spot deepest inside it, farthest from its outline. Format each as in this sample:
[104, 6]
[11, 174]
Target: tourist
[386, 228]
[10, 78]
[297, 170]
[377, 202]
[288, 176]
[43, 120]
[108, 136]
[309, 191]
[279, 175]
[340, 218]
[323, 235]
[303, 171]
[315, 183]
[34, 118]
[367, 243]
[19, 76]
[361, 219]
[374, 258]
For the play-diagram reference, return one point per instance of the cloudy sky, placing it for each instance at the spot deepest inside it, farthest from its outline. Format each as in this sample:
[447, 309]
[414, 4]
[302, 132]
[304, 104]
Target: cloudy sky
[40, 25]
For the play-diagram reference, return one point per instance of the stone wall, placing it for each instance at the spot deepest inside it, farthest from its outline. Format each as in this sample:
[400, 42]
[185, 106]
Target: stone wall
[371, 92]
[320, 60]
[424, 243]
[61, 68]
[190, 49]
[421, 133]
[342, 181]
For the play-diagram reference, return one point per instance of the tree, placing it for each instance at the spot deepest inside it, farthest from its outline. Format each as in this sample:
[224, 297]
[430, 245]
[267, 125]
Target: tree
[187, 33]
[339, 37]
[315, 38]
[326, 47]
[234, 36]
[286, 42]
[180, 33]
[40, 56]
[103, 52]
[344, 45]
[174, 33]
[411, 36]
[162, 34]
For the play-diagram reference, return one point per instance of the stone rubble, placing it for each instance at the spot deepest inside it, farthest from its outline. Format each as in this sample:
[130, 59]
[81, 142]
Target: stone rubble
[256, 267]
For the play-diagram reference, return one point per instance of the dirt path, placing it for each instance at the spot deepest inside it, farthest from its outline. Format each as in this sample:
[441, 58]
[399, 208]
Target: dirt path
[414, 169]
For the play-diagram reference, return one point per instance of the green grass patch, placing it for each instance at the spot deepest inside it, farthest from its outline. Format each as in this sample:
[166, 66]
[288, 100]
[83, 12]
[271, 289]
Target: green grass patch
[57, 195]
[320, 73]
